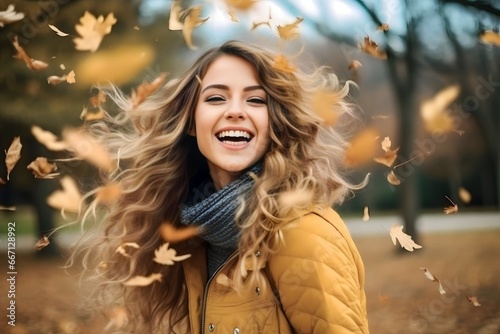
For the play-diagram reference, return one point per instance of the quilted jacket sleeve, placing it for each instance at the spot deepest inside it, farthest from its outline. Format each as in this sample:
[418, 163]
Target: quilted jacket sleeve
[320, 276]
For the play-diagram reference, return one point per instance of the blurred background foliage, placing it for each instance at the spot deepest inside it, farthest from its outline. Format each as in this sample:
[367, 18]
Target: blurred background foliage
[430, 45]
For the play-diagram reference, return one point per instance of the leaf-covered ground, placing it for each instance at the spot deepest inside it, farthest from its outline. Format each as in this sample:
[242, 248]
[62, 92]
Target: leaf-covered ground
[400, 297]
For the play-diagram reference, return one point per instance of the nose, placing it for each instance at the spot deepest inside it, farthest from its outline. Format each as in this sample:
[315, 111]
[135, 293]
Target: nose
[235, 111]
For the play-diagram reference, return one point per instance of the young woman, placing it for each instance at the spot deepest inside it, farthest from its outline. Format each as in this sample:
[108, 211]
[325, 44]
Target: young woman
[232, 148]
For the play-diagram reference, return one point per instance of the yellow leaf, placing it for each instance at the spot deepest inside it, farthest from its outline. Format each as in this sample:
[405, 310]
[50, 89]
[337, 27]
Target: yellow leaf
[68, 198]
[281, 63]
[92, 31]
[57, 31]
[42, 243]
[323, 104]
[393, 179]
[168, 256]
[290, 31]
[13, 154]
[370, 47]
[171, 233]
[464, 195]
[146, 89]
[361, 148]
[404, 239]
[42, 169]
[48, 139]
[490, 37]
[434, 110]
[143, 280]
[109, 193]
[388, 159]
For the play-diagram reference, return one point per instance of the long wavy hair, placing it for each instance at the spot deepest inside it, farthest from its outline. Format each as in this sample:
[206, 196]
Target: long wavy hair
[159, 161]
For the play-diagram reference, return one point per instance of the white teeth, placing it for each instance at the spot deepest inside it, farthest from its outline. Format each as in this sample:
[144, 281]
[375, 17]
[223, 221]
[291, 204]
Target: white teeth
[233, 133]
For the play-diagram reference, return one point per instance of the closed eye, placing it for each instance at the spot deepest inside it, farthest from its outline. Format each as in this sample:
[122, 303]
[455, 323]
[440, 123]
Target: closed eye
[256, 100]
[215, 98]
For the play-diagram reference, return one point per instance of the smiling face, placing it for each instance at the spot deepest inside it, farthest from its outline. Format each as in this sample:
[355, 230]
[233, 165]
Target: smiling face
[231, 118]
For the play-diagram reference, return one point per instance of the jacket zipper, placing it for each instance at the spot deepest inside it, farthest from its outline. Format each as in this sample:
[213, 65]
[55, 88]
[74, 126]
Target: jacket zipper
[205, 293]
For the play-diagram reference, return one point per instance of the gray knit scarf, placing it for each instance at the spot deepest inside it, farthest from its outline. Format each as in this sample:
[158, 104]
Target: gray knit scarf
[214, 211]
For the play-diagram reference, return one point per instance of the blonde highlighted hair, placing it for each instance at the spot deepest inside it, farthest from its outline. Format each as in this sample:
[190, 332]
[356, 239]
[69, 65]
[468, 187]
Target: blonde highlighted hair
[159, 162]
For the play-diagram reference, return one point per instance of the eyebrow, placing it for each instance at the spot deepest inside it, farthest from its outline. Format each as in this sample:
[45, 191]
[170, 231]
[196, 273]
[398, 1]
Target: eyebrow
[224, 87]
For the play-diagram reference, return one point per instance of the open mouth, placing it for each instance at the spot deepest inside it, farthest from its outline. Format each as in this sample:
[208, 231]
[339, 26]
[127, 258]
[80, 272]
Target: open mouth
[234, 137]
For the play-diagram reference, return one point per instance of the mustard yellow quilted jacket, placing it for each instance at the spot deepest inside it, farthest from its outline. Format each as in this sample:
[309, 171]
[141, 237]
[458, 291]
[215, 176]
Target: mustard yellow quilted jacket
[319, 277]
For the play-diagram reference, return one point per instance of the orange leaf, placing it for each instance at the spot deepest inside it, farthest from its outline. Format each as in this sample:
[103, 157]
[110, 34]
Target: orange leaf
[361, 148]
[13, 154]
[290, 31]
[31, 63]
[383, 27]
[241, 4]
[42, 169]
[143, 280]
[473, 300]
[490, 37]
[92, 31]
[371, 48]
[109, 193]
[393, 179]
[449, 210]
[281, 64]
[390, 156]
[172, 234]
[323, 104]
[354, 65]
[434, 110]
[146, 89]
[42, 243]
[92, 116]
[404, 239]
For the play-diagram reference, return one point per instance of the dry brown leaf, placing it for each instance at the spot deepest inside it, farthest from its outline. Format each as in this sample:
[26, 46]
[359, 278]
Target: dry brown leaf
[371, 48]
[143, 280]
[168, 256]
[464, 195]
[354, 65]
[92, 31]
[118, 318]
[323, 104]
[473, 301]
[48, 139]
[96, 100]
[390, 155]
[383, 27]
[192, 19]
[12, 155]
[433, 278]
[449, 210]
[404, 239]
[170, 233]
[490, 37]
[121, 248]
[361, 148]
[31, 63]
[42, 169]
[92, 116]
[434, 111]
[109, 193]
[85, 147]
[290, 31]
[10, 16]
[281, 63]
[241, 4]
[393, 179]
[57, 31]
[146, 89]
[68, 198]
[42, 243]
[7, 208]
[366, 214]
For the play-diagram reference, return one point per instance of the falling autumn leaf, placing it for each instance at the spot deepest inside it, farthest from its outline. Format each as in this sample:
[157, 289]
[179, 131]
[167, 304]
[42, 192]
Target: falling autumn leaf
[366, 214]
[241, 4]
[109, 193]
[68, 198]
[473, 301]
[146, 89]
[290, 31]
[92, 116]
[370, 47]
[42, 243]
[13, 154]
[281, 63]
[361, 148]
[404, 239]
[449, 210]
[232, 15]
[393, 179]
[85, 147]
[97, 99]
[464, 195]
[323, 104]
[10, 16]
[490, 37]
[92, 30]
[390, 155]
[42, 169]
[118, 318]
[70, 78]
[174, 20]
[57, 31]
[56, 80]
[143, 280]
[434, 111]
[191, 20]
[256, 24]
[48, 139]
[121, 248]
[31, 63]
[433, 278]
[170, 233]
[168, 256]
[383, 27]
[294, 199]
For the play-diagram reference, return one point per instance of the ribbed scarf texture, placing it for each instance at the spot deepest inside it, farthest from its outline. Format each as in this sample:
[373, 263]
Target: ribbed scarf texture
[214, 211]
